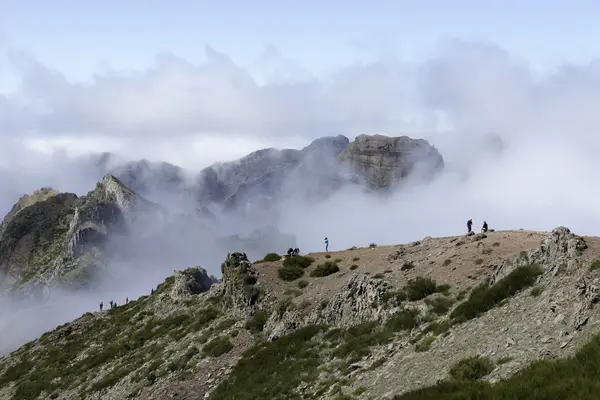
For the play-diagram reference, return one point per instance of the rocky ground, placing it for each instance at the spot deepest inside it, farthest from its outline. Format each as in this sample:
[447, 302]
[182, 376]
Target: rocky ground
[364, 323]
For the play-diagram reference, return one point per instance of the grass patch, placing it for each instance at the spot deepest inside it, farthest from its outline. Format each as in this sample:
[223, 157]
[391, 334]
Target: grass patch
[298, 261]
[218, 346]
[325, 269]
[256, 323]
[595, 265]
[487, 251]
[447, 262]
[478, 261]
[378, 276]
[353, 267]
[496, 244]
[327, 255]
[407, 266]
[337, 260]
[504, 360]
[355, 259]
[485, 297]
[425, 344]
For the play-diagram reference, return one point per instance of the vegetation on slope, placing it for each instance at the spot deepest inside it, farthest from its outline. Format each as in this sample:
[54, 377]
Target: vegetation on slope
[133, 339]
[574, 378]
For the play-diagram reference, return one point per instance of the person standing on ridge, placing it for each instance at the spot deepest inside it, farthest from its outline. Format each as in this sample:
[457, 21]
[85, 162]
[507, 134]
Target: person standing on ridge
[326, 245]
[126, 300]
[101, 306]
[469, 225]
[484, 228]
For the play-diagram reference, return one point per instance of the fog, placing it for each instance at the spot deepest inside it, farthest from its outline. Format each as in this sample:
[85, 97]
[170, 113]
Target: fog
[520, 151]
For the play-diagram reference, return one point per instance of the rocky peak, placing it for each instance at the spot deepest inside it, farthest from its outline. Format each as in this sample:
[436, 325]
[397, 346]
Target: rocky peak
[27, 200]
[382, 161]
[239, 289]
[191, 281]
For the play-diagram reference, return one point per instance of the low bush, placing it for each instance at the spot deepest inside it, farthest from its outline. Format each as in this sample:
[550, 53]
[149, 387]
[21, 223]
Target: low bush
[325, 269]
[290, 273]
[218, 346]
[298, 261]
[407, 266]
[419, 288]
[272, 257]
[257, 322]
[471, 368]
[485, 297]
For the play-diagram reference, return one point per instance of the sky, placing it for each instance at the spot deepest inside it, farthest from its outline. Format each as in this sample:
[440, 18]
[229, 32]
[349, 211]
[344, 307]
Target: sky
[169, 80]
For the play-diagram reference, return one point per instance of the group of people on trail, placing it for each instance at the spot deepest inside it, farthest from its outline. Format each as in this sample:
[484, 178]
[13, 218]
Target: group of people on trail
[484, 228]
[113, 304]
[293, 252]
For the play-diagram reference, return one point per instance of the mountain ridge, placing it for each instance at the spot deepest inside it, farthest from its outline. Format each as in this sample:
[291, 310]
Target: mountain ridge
[363, 323]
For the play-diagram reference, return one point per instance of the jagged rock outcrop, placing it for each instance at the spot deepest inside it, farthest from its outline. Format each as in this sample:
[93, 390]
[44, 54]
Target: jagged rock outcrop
[53, 237]
[194, 280]
[361, 300]
[239, 287]
[382, 161]
[557, 253]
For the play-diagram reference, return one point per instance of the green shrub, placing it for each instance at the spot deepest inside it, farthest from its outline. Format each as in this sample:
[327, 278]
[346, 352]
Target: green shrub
[439, 304]
[218, 346]
[327, 255]
[496, 244]
[447, 262]
[394, 296]
[471, 368]
[325, 269]
[485, 297]
[419, 288]
[355, 259]
[302, 284]
[257, 322]
[285, 304]
[478, 261]
[407, 266]
[353, 267]
[272, 257]
[536, 291]
[378, 276]
[290, 273]
[298, 261]
[337, 260]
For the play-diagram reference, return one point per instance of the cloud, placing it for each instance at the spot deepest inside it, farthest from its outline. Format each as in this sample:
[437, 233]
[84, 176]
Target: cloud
[520, 146]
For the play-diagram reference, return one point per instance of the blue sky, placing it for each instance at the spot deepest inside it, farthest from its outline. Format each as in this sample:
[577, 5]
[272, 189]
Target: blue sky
[192, 74]
[80, 38]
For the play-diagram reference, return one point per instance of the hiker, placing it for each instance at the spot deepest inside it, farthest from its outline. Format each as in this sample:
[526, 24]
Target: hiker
[101, 306]
[290, 252]
[152, 292]
[111, 304]
[469, 225]
[326, 245]
[484, 228]
[126, 300]
[296, 251]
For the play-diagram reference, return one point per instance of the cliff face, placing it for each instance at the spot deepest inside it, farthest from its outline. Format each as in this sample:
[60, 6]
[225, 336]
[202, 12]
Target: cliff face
[59, 237]
[382, 161]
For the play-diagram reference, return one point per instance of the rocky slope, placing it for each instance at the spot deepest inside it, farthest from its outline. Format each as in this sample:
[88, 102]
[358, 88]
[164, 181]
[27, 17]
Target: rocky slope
[57, 238]
[454, 314]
